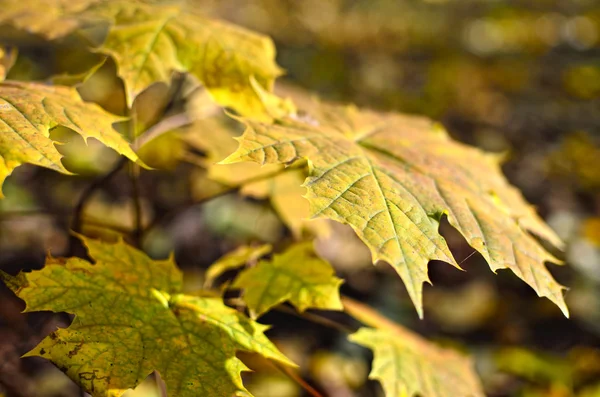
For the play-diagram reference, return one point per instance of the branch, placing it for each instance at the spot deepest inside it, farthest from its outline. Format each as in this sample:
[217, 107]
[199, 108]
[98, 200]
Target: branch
[296, 378]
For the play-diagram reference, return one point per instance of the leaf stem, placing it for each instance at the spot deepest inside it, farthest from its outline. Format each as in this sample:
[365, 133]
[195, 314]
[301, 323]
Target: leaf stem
[296, 378]
[226, 190]
[86, 195]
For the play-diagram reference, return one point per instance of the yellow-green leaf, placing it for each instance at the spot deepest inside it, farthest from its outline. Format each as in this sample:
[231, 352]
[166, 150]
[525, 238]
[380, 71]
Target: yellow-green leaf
[131, 319]
[297, 275]
[215, 137]
[236, 258]
[391, 177]
[8, 56]
[407, 365]
[28, 112]
[56, 18]
[148, 42]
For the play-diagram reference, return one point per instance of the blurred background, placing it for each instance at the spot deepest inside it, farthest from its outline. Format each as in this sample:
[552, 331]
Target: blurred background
[518, 77]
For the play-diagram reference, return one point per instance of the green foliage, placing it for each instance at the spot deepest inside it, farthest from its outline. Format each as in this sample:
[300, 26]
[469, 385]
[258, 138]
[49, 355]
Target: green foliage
[132, 319]
[297, 275]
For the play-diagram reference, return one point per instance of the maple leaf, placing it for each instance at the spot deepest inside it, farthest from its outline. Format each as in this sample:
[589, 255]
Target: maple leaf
[131, 319]
[234, 259]
[406, 365]
[391, 177]
[297, 275]
[8, 56]
[56, 19]
[149, 42]
[28, 111]
[215, 137]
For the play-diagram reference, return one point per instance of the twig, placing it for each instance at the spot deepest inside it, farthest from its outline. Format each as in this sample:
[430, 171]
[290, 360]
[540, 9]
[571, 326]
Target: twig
[134, 172]
[296, 378]
[89, 191]
[165, 125]
[226, 190]
[315, 318]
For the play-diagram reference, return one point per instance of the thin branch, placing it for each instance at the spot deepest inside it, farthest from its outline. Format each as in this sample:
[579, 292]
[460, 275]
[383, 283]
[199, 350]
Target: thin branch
[369, 316]
[89, 191]
[296, 378]
[226, 190]
[315, 318]
[134, 172]
[165, 125]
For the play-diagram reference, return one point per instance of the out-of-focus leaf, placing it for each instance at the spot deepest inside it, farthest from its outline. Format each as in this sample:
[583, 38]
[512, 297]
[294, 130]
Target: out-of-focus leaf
[215, 137]
[392, 177]
[577, 159]
[408, 365]
[148, 42]
[27, 113]
[8, 56]
[287, 197]
[163, 152]
[297, 275]
[236, 258]
[52, 19]
[132, 319]
[78, 78]
[534, 366]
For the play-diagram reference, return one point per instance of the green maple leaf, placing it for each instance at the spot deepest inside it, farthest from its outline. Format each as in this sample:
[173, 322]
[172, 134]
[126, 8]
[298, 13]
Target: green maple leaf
[28, 111]
[297, 275]
[234, 259]
[391, 177]
[131, 319]
[407, 365]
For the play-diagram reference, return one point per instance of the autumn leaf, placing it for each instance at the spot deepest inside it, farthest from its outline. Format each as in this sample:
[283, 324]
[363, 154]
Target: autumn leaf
[56, 19]
[131, 319]
[297, 275]
[408, 366]
[28, 112]
[8, 56]
[234, 259]
[391, 177]
[148, 42]
[215, 137]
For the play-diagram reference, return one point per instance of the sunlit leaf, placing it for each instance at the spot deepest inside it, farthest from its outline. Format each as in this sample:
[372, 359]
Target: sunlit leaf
[407, 365]
[392, 177]
[28, 112]
[55, 19]
[215, 137]
[8, 56]
[234, 259]
[297, 275]
[148, 42]
[131, 319]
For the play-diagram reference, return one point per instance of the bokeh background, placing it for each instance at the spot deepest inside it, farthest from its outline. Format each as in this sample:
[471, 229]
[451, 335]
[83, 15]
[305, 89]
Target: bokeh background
[518, 77]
